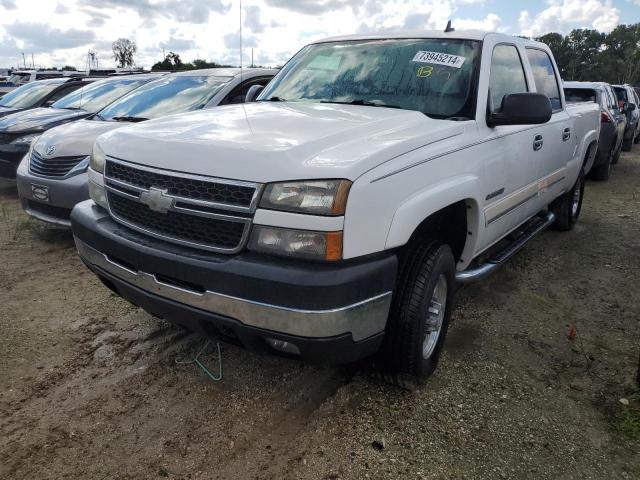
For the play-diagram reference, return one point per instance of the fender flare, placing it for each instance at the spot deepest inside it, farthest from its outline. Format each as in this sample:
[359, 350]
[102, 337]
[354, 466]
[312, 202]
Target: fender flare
[589, 139]
[425, 203]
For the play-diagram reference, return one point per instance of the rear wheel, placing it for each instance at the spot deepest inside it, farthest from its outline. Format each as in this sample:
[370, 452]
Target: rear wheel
[637, 139]
[419, 316]
[616, 155]
[602, 172]
[626, 146]
[567, 207]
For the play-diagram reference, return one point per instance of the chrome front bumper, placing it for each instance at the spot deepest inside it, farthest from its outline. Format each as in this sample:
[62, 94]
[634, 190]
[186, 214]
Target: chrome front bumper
[362, 320]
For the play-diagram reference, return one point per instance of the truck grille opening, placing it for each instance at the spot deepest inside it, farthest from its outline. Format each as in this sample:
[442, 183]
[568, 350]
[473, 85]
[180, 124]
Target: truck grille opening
[180, 227]
[53, 167]
[183, 186]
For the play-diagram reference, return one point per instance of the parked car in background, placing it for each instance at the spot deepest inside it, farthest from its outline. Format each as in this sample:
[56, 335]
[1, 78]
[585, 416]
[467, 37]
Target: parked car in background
[50, 184]
[22, 77]
[331, 218]
[18, 130]
[42, 93]
[613, 122]
[629, 105]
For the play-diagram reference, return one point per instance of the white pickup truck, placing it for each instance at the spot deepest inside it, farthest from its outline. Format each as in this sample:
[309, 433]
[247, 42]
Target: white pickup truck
[334, 217]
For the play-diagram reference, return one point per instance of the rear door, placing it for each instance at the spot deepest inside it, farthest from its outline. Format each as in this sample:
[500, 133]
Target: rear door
[559, 141]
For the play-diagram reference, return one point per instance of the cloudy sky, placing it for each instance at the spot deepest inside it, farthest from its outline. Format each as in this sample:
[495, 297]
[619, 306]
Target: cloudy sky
[60, 32]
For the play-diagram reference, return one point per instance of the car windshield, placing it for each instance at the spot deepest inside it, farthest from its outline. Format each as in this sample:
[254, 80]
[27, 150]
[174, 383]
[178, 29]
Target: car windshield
[16, 78]
[433, 76]
[97, 95]
[165, 96]
[577, 95]
[28, 94]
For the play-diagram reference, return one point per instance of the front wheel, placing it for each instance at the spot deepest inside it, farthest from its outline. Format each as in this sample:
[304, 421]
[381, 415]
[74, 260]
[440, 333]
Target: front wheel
[602, 172]
[567, 207]
[419, 316]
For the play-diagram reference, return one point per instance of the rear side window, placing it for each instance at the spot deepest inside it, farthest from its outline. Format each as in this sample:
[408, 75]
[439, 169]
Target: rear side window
[544, 76]
[577, 95]
[621, 94]
[507, 75]
[612, 98]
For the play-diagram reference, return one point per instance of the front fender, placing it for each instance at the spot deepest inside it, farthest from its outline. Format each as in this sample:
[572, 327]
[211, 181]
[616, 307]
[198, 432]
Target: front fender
[430, 200]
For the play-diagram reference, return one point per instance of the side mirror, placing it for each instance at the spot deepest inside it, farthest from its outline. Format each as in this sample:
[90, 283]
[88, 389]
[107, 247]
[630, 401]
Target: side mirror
[253, 93]
[522, 109]
[48, 103]
[629, 107]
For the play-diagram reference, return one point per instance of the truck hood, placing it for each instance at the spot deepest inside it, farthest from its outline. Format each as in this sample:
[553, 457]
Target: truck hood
[39, 119]
[4, 111]
[76, 138]
[268, 141]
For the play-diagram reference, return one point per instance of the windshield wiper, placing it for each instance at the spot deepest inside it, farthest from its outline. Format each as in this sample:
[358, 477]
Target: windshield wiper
[129, 119]
[72, 108]
[362, 102]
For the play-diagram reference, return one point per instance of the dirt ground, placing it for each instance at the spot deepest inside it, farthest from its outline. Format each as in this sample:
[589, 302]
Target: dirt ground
[89, 387]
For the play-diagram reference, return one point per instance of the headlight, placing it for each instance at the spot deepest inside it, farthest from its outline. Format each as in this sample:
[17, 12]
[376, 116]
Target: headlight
[297, 243]
[319, 197]
[97, 191]
[98, 159]
[26, 139]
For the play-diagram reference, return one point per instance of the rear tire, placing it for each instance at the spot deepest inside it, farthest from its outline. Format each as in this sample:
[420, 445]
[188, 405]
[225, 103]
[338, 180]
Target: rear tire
[567, 207]
[602, 172]
[626, 146]
[637, 139]
[419, 317]
[616, 155]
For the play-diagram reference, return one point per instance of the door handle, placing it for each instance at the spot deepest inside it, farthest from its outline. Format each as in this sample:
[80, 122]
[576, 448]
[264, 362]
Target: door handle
[566, 134]
[537, 143]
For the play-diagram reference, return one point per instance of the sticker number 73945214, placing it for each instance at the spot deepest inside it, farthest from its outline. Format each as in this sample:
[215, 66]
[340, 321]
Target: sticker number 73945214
[437, 58]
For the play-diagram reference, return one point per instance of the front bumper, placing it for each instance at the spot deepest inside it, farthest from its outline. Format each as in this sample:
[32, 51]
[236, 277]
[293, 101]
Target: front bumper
[64, 194]
[333, 313]
[10, 157]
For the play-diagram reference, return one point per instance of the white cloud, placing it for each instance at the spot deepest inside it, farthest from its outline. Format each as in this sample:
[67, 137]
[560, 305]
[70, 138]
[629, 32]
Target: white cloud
[563, 15]
[491, 23]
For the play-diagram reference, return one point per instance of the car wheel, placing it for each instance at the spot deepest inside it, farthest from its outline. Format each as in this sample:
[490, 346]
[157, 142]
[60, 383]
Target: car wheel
[602, 172]
[626, 146]
[616, 155]
[637, 139]
[419, 317]
[567, 207]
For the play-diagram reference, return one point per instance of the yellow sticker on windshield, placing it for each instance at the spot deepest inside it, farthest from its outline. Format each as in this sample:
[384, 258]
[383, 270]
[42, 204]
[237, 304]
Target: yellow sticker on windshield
[424, 72]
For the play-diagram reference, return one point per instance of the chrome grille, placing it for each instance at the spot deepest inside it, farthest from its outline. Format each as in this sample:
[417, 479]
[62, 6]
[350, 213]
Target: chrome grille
[53, 167]
[156, 202]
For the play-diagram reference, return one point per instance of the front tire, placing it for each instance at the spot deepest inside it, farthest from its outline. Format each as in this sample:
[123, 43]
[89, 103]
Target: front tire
[419, 317]
[603, 172]
[567, 207]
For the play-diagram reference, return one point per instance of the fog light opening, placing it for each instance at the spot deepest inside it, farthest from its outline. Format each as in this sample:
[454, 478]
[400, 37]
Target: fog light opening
[283, 346]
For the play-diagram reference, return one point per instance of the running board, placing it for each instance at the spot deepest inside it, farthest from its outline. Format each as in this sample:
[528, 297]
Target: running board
[499, 259]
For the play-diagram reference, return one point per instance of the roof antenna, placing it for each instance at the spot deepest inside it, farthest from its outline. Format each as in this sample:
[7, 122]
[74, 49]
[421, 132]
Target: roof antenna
[449, 28]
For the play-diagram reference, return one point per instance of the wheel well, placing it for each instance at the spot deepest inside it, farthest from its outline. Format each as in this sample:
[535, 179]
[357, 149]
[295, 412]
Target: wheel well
[448, 225]
[593, 145]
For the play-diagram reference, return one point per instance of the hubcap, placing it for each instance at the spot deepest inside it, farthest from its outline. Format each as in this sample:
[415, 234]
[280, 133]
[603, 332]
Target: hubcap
[575, 204]
[435, 317]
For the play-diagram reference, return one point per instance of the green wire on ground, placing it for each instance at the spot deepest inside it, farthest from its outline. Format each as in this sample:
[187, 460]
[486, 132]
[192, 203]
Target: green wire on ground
[196, 361]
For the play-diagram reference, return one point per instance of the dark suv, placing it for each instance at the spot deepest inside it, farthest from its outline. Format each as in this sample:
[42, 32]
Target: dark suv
[612, 121]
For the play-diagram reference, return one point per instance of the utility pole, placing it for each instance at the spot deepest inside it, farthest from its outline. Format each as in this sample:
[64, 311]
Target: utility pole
[24, 62]
[33, 63]
[252, 57]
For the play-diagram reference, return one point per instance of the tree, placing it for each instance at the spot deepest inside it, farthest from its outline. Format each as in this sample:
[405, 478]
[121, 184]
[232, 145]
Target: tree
[123, 50]
[171, 61]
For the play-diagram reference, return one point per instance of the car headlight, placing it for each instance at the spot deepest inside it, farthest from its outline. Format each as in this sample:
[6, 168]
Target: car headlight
[26, 139]
[297, 243]
[98, 159]
[318, 197]
[97, 192]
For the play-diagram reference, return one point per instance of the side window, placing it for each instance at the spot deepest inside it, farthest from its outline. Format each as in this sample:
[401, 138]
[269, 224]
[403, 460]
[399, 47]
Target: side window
[507, 75]
[544, 76]
[237, 94]
[62, 93]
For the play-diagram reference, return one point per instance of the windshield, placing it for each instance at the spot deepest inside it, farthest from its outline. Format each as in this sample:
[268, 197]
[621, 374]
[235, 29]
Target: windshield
[98, 95]
[433, 76]
[576, 95]
[171, 94]
[28, 94]
[16, 78]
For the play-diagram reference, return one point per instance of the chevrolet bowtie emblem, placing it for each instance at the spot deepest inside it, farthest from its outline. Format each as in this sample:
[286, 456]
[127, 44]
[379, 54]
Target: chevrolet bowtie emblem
[156, 200]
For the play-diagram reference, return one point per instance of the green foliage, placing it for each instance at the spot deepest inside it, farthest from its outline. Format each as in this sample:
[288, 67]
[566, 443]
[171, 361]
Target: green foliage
[123, 50]
[588, 55]
[172, 62]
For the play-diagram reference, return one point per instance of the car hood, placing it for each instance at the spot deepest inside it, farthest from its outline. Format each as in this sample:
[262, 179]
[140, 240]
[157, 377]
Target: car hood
[4, 111]
[268, 141]
[76, 138]
[38, 119]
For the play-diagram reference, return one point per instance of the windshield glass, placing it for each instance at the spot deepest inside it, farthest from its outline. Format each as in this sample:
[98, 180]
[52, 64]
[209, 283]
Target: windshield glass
[171, 94]
[98, 95]
[433, 76]
[16, 78]
[28, 94]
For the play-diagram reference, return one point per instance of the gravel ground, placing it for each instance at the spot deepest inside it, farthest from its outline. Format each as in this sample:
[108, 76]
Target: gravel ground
[89, 387]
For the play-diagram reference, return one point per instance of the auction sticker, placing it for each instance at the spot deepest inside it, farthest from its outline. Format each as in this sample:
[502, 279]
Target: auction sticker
[438, 58]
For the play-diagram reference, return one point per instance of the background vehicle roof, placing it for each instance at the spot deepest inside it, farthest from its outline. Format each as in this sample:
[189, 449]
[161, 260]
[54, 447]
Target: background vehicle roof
[591, 85]
[226, 72]
[455, 35]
